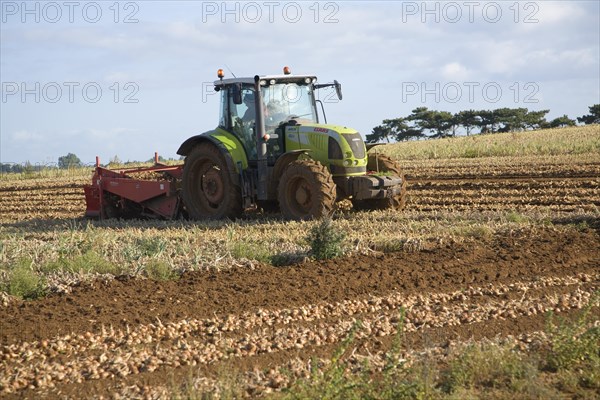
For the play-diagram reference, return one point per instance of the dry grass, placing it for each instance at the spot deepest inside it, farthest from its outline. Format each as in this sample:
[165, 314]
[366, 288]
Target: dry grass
[47, 173]
[161, 249]
[83, 172]
[580, 140]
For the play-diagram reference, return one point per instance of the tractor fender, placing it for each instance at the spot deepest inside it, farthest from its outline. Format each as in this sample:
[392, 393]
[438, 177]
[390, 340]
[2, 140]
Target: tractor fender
[282, 162]
[187, 146]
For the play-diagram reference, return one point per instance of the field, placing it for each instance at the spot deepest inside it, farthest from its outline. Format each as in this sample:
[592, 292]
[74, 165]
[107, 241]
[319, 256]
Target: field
[486, 286]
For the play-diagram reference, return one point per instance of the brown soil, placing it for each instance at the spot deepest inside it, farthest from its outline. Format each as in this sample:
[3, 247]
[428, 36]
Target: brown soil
[126, 301]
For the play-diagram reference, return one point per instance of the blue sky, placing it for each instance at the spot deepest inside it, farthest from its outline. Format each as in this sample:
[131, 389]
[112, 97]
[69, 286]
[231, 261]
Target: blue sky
[129, 78]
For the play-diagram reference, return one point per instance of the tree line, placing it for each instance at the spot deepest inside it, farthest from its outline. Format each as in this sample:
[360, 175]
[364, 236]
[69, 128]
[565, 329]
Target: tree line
[65, 162]
[70, 161]
[426, 123]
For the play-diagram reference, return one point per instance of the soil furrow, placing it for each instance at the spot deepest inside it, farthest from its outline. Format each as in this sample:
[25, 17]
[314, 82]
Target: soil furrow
[126, 301]
[193, 342]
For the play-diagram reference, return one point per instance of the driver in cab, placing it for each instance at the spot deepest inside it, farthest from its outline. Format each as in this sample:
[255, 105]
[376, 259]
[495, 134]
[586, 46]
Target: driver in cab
[250, 114]
[272, 111]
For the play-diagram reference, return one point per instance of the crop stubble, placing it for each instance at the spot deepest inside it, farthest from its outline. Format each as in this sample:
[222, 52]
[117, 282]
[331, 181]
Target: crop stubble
[556, 183]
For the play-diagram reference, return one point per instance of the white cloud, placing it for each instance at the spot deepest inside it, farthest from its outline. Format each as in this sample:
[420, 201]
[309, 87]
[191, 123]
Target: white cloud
[188, 33]
[581, 57]
[25, 136]
[554, 12]
[108, 134]
[454, 72]
[505, 57]
[118, 76]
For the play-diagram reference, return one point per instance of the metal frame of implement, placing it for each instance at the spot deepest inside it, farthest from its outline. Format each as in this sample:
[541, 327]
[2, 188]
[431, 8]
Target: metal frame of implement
[157, 198]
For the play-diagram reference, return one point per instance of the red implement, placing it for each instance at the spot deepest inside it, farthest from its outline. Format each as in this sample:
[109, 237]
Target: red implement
[126, 193]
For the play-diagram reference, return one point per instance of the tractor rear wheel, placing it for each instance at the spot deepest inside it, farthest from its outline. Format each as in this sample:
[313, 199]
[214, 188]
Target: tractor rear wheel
[306, 190]
[379, 163]
[208, 190]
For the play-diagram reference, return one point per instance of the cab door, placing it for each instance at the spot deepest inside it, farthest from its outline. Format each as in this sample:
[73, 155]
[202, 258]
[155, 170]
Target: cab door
[242, 120]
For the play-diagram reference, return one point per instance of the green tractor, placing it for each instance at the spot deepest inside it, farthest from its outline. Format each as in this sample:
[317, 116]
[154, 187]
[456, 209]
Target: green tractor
[271, 151]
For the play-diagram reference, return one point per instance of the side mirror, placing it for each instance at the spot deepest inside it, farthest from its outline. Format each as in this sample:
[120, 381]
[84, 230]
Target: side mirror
[338, 89]
[237, 93]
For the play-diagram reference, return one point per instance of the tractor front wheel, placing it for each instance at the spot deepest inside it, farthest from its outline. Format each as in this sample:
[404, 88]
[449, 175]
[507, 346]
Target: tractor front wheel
[306, 190]
[208, 190]
[379, 163]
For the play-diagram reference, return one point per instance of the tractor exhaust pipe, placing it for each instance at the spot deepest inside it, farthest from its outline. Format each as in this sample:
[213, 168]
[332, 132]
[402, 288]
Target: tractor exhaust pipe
[261, 144]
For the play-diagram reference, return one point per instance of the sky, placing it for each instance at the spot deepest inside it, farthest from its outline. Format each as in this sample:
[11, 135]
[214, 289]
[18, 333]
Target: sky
[128, 78]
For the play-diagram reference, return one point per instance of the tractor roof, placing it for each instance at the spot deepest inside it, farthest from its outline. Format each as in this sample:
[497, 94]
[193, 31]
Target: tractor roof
[250, 80]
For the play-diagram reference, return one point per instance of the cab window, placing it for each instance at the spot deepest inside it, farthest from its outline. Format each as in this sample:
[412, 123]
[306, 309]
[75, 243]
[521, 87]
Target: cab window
[243, 117]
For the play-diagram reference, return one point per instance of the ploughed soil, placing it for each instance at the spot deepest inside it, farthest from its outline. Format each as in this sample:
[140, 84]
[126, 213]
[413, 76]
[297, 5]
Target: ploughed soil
[126, 301]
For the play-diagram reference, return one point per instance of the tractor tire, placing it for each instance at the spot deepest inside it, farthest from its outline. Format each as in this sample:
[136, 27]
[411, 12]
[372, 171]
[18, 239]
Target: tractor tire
[306, 190]
[207, 189]
[379, 163]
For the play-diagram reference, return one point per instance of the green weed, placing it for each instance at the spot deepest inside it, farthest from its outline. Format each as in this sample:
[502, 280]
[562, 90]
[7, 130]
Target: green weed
[150, 247]
[89, 262]
[326, 241]
[250, 251]
[160, 271]
[516, 217]
[575, 344]
[487, 365]
[24, 282]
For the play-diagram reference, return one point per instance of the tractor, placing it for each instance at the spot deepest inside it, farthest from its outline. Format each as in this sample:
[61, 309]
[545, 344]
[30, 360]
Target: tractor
[270, 151]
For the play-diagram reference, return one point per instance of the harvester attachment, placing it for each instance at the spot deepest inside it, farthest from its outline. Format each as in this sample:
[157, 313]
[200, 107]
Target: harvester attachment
[134, 192]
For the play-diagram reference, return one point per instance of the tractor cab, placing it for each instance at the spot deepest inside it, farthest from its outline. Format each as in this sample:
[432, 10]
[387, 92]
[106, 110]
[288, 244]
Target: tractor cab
[283, 100]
